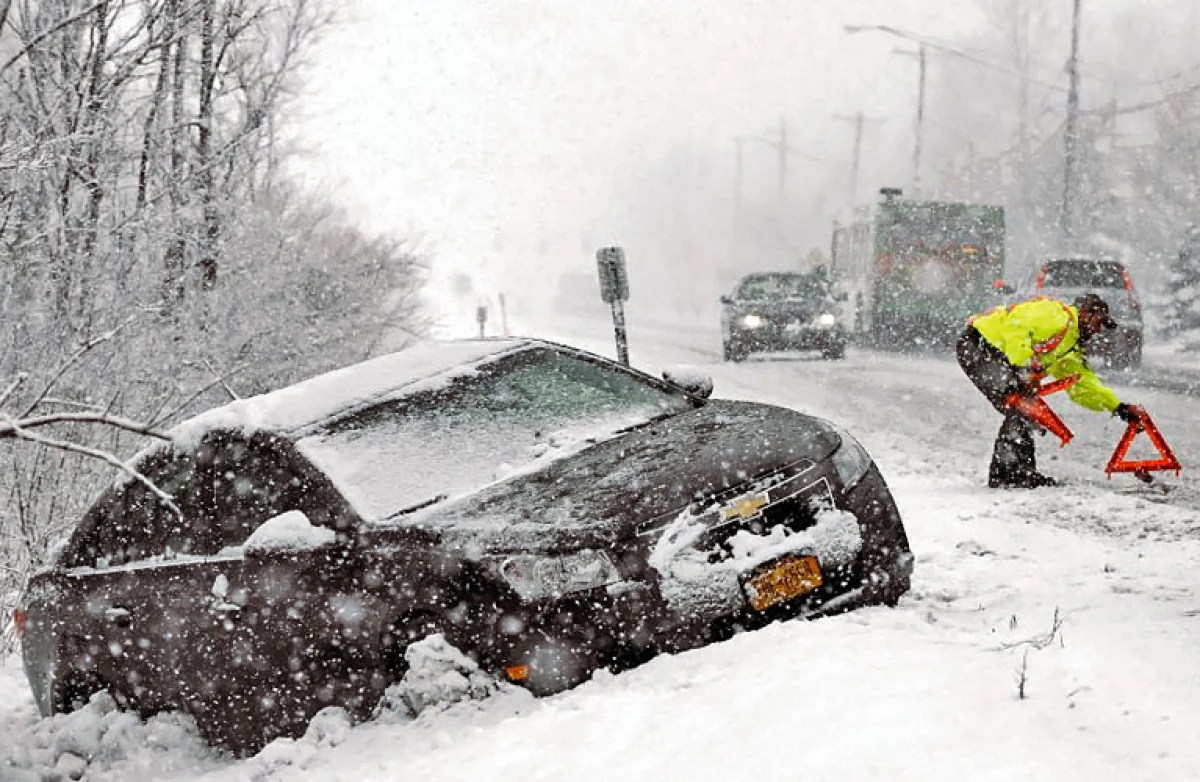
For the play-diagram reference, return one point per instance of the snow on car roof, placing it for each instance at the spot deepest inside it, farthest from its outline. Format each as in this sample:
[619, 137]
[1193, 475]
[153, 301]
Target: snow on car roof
[309, 402]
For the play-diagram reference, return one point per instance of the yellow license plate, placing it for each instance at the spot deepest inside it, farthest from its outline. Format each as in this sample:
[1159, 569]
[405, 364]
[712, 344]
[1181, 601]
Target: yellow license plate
[785, 580]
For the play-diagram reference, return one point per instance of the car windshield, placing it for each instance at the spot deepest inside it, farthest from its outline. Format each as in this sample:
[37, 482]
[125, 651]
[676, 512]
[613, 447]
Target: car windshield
[482, 427]
[782, 286]
[1083, 274]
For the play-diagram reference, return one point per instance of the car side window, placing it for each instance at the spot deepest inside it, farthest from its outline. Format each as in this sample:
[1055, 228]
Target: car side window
[251, 483]
[131, 523]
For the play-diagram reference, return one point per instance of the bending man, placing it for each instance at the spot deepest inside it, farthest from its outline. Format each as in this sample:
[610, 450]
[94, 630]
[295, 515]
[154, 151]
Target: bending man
[1002, 350]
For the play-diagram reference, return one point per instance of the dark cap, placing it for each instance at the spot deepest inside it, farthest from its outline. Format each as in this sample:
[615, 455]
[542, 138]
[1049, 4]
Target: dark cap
[1090, 303]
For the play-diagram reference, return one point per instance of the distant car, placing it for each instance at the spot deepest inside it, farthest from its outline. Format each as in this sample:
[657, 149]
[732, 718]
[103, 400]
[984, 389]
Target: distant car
[549, 511]
[1068, 278]
[782, 311]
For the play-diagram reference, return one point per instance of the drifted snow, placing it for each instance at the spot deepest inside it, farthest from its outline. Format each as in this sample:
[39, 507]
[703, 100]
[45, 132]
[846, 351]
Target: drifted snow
[101, 742]
[291, 531]
[924, 692]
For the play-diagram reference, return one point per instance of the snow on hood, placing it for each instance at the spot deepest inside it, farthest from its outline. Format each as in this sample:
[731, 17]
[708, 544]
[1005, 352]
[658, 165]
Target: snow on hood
[591, 496]
[698, 589]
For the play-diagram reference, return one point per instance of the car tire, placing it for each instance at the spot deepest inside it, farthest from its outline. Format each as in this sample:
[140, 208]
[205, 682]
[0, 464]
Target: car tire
[734, 352]
[555, 664]
[834, 352]
[73, 690]
[1133, 362]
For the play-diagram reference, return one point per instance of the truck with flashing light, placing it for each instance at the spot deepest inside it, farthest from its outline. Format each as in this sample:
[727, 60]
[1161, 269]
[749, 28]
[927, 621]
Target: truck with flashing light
[914, 271]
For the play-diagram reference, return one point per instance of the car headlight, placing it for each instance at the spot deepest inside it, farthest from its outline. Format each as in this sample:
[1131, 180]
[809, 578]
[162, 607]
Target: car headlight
[533, 577]
[850, 460]
[825, 319]
[753, 321]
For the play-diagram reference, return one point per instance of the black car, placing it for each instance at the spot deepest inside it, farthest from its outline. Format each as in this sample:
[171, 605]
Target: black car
[547, 510]
[1068, 278]
[782, 311]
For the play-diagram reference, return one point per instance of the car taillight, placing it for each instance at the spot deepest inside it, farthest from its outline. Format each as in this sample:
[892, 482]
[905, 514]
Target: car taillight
[1128, 279]
[1041, 278]
[19, 617]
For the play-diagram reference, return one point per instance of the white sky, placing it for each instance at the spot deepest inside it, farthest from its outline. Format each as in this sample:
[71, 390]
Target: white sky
[487, 128]
[513, 137]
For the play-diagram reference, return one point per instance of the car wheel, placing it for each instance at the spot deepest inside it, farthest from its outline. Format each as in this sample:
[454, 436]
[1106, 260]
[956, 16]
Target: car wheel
[73, 690]
[834, 352]
[734, 352]
[554, 664]
[1134, 360]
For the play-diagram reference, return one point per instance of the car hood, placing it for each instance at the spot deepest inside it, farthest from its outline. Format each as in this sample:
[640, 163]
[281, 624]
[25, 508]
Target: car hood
[607, 491]
[787, 308]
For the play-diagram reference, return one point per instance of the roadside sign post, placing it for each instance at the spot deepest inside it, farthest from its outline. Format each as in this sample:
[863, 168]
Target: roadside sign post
[614, 291]
[481, 313]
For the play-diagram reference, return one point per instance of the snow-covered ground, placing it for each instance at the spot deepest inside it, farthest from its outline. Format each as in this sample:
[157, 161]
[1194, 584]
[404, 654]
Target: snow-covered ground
[1049, 635]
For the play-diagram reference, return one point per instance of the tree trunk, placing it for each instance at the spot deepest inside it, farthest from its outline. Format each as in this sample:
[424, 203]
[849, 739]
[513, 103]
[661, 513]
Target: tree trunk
[211, 233]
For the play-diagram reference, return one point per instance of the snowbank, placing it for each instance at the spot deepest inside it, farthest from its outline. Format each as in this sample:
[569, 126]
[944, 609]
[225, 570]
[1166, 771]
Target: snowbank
[102, 742]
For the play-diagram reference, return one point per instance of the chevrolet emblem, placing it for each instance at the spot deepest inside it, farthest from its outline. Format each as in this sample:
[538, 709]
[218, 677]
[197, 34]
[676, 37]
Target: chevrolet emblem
[743, 507]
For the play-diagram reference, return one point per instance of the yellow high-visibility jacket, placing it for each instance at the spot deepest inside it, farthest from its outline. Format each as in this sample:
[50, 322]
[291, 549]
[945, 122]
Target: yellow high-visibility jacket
[1043, 335]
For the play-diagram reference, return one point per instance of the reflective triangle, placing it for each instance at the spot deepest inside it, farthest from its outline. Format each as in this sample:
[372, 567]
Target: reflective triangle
[1166, 460]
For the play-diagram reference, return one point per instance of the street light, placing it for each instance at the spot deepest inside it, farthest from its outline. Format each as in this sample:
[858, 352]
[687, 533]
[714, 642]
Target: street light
[920, 54]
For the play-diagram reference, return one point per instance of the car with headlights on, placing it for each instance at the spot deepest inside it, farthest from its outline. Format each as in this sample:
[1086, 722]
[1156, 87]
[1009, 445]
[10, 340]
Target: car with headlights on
[547, 510]
[782, 311]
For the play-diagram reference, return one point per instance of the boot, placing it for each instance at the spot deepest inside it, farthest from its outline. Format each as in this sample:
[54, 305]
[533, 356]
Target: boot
[1014, 461]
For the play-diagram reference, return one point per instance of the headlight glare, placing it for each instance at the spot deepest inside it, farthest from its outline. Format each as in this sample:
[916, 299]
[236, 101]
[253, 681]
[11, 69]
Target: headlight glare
[850, 460]
[825, 319]
[753, 320]
[533, 577]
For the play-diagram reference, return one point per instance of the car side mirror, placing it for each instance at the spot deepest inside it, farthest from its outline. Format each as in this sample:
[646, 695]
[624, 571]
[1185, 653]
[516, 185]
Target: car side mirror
[727, 299]
[288, 533]
[691, 380]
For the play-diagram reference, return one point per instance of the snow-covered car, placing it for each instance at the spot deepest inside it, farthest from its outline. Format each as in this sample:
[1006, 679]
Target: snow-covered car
[547, 510]
[772, 311]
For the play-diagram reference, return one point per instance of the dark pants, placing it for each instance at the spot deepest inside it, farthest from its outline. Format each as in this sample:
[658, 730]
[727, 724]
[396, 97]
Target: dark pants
[1014, 461]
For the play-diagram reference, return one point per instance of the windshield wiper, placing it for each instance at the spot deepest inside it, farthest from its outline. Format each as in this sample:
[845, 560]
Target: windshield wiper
[421, 505]
[652, 420]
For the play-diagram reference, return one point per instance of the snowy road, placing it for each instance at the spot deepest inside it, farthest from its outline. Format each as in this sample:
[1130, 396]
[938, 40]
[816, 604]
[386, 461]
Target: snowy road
[927, 691]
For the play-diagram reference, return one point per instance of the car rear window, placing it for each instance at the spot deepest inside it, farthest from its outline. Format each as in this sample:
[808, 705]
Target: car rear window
[1083, 274]
[224, 491]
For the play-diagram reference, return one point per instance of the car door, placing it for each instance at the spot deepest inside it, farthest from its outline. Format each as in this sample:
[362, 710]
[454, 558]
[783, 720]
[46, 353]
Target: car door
[287, 628]
[141, 573]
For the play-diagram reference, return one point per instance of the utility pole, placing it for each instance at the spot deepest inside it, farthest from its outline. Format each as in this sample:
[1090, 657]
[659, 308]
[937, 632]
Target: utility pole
[737, 189]
[1071, 131]
[858, 119]
[783, 155]
[922, 57]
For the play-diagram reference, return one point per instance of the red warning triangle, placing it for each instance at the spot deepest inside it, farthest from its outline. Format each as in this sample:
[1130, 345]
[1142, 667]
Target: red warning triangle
[1166, 460]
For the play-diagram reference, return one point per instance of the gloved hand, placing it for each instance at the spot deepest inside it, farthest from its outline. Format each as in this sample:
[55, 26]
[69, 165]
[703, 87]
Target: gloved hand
[1128, 413]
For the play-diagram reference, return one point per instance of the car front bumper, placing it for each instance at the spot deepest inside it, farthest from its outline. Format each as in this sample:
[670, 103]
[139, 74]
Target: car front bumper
[788, 336]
